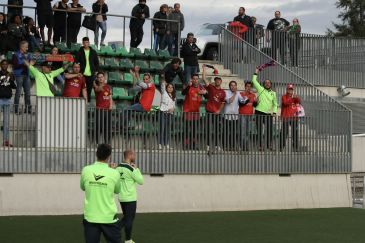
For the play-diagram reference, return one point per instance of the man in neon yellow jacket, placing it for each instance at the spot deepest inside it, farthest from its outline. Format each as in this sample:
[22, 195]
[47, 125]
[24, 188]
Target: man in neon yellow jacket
[265, 110]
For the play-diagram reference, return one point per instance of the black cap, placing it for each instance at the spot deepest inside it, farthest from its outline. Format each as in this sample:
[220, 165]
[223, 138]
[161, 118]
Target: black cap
[46, 64]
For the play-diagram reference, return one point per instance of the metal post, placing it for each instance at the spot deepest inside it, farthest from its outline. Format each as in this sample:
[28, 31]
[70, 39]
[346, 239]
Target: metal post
[124, 31]
[178, 39]
[152, 35]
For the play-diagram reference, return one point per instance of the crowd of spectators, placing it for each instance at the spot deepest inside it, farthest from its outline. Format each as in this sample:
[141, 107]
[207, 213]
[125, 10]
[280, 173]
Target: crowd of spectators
[230, 113]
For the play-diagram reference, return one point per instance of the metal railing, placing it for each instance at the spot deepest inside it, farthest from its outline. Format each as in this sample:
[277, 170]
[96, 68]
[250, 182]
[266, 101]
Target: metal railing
[60, 136]
[358, 192]
[84, 32]
[322, 60]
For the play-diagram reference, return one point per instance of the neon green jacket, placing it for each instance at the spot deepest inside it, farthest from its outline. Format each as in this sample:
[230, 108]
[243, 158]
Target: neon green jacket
[267, 102]
[129, 178]
[100, 183]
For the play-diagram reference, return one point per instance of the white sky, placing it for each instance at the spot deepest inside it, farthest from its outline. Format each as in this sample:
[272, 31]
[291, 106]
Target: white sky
[315, 16]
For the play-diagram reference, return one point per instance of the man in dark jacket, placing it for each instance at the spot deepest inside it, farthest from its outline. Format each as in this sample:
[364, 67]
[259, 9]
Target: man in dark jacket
[7, 83]
[60, 21]
[160, 28]
[172, 70]
[15, 10]
[140, 12]
[174, 30]
[189, 52]
[89, 64]
[45, 18]
[246, 20]
[74, 21]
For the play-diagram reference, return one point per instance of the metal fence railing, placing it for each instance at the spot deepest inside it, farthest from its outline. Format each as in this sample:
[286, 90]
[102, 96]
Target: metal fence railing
[322, 60]
[60, 136]
[119, 22]
[358, 192]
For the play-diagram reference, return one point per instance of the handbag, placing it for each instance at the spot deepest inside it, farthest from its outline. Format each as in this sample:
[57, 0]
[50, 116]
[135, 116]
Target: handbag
[89, 22]
[300, 111]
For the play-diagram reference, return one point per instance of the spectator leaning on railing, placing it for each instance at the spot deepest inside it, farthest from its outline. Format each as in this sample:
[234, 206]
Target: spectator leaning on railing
[104, 106]
[171, 70]
[44, 79]
[21, 73]
[60, 21]
[246, 110]
[7, 84]
[289, 108]
[74, 21]
[266, 109]
[75, 83]
[193, 93]
[173, 41]
[167, 108]
[100, 8]
[216, 98]
[89, 63]
[246, 21]
[45, 18]
[160, 28]
[140, 12]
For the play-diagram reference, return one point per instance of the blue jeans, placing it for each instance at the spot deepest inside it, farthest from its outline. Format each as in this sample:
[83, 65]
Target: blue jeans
[245, 131]
[22, 82]
[165, 127]
[173, 43]
[189, 70]
[159, 42]
[5, 107]
[34, 43]
[103, 27]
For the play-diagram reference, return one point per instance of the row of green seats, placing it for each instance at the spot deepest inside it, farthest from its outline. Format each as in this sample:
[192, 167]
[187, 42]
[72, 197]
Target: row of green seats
[134, 53]
[127, 78]
[127, 64]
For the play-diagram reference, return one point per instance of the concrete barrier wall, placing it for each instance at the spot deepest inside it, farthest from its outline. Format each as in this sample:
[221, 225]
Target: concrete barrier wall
[60, 194]
[358, 154]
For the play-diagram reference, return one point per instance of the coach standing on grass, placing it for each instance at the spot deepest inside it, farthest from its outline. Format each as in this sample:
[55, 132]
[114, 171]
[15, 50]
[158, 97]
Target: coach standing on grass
[130, 175]
[100, 183]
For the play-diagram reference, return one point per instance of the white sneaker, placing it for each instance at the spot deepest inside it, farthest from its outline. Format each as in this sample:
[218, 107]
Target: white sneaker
[129, 241]
[160, 147]
[168, 147]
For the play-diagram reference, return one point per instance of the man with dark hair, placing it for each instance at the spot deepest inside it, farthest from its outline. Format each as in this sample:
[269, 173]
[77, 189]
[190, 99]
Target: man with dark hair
[100, 183]
[104, 106]
[130, 176]
[140, 12]
[89, 64]
[75, 83]
[21, 73]
[171, 70]
[193, 93]
[7, 84]
[243, 18]
[189, 52]
[45, 18]
[173, 28]
[276, 28]
[216, 99]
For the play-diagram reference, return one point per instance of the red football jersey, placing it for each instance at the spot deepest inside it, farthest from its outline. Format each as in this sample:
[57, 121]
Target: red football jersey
[147, 96]
[216, 97]
[247, 109]
[103, 98]
[73, 87]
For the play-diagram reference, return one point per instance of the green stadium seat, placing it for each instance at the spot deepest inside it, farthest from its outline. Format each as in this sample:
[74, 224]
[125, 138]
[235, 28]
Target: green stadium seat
[127, 78]
[143, 65]
[164, 54]
[62, 47]
[156, 66]
[114, 77]
[109, 63]
[121, 94]
[137, 53]
[156, 79]
[107, 51]
[95, 48]
[122, 52]
[151, 53]
[126, 64]
[75, 47]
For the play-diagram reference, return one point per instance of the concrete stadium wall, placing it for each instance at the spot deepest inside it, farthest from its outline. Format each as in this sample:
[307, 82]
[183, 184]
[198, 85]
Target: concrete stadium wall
[24, 194]
[358, 154]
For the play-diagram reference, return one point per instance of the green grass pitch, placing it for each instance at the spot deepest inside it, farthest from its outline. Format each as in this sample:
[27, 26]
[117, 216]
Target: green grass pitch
[340, 225]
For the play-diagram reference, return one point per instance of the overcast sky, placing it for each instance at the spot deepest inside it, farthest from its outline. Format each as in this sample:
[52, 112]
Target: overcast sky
[315, 16]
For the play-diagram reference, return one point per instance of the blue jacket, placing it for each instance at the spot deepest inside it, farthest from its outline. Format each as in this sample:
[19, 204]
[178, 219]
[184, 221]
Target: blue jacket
[19, 68]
